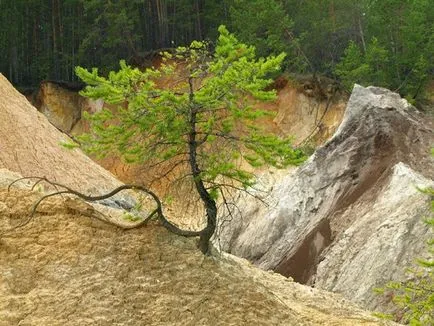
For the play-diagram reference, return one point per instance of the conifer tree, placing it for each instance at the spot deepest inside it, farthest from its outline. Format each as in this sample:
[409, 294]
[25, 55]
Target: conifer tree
[200, 127]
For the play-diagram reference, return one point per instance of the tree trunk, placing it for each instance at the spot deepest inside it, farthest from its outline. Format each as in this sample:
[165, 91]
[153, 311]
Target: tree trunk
[360, 28]
[205, 237]
[55, 36]
[13, 64]
[198, 24]
[162, 23]
[362, 35]
[332, 15]
[208, 201]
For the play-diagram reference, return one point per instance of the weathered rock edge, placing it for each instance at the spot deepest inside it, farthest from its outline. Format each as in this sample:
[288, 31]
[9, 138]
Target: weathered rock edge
[310, 208]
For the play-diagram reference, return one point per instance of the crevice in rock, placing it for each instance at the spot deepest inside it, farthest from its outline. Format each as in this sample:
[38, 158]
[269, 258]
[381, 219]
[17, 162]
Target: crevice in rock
[301, 265]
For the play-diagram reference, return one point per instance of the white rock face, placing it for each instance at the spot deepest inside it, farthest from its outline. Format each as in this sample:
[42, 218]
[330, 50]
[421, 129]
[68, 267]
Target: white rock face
[386, 236]
[364, 173]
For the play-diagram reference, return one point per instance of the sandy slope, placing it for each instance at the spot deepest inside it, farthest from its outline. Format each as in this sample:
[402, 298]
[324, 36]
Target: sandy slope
[64, 268]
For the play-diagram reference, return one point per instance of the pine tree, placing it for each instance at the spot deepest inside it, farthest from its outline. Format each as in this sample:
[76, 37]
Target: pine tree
[200, 127]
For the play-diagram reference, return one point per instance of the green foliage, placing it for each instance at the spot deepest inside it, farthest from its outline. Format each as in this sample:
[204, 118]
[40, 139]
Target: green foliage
[51, 37]
[400, 55]
[209, 114]
[365, 69]
[415, 297]
[352, 68]
[264, 24]
[69, 145]
[131, 217]
[116, 23]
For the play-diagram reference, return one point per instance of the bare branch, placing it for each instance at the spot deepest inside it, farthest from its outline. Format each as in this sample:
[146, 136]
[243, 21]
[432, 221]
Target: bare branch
[158, 211]
[231, 186]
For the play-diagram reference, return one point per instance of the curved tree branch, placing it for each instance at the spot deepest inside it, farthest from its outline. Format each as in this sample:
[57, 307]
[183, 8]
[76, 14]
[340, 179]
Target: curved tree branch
[158, 211]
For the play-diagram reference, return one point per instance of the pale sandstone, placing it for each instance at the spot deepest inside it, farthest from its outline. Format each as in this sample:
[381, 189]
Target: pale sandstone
[328, 210]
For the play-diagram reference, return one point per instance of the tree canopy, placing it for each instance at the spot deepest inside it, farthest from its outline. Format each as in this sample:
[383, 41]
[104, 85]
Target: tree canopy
[49, 38]
[201, 128]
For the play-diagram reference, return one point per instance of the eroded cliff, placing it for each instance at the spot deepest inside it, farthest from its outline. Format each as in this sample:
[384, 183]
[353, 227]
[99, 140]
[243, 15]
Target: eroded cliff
[350, 218]
[66, 266]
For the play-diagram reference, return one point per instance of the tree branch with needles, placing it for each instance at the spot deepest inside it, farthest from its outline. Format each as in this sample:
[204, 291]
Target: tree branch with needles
[203, 128]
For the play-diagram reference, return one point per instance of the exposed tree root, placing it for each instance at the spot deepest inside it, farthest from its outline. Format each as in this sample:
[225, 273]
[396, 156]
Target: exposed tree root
[62, 189]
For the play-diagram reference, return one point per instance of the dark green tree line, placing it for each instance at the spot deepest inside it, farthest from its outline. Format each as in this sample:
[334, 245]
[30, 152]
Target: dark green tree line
[387, 43]
[398, 49]
[46, 39]
[384, 43]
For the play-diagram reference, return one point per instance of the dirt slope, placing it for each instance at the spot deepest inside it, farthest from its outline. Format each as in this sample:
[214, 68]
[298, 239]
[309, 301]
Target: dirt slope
[31, 146]
[309, 109]
[64, 268]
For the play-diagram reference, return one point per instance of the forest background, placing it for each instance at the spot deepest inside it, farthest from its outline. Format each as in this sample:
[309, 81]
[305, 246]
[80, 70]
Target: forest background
[387, 43]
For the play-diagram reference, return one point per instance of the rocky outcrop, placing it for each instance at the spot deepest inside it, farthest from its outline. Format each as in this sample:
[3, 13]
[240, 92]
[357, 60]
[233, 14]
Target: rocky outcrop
[386, 235]
[337, 208]
[64, 268]
[63, 107]
[310, 109]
